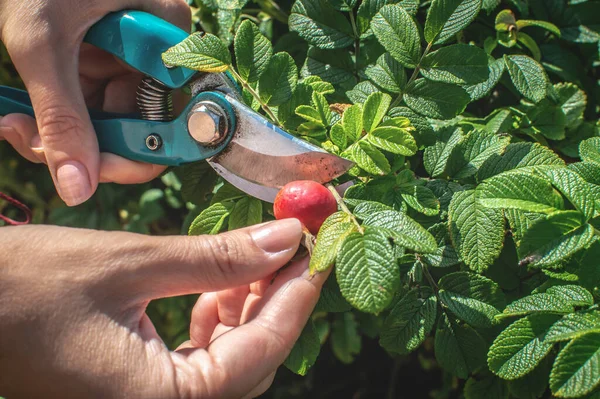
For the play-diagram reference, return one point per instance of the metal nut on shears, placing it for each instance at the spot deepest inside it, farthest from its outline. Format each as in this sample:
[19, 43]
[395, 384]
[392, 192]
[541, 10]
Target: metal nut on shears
[207, 123]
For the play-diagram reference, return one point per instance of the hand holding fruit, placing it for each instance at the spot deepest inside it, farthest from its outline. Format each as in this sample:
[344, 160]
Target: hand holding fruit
[72, 308]
[62, 76]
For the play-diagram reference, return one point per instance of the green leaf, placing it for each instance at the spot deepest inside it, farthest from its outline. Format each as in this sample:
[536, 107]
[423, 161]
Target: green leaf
[530, 43]
[338, 136]
[310, 114]
[360, 92]
[344, 5]
[537, 303]
[518, 156]
[479, 90]
[330, 240]
[458, 64]
[459, 349]
[197, 180]
[435, 99]
[445, 256]
[368, 9]
[573, 294]
[305, 351]
[279, 80]
[247, 212]
[505, 20]
[555, 238]
[387, 73]
[534, 384]
[353, 122]
[202, 52]
[424, 133]
[477, 232]
[489, 387]
[521, 346]
[523, 23]
[448, 17]
[472, 298]
[409, 322]
[589, 150]
[211, 220]
[528, 76]
[471, 152]
[403, 230]
[345, 340]
[366, 270]
[252, 51]
[331, 299]
[436, 157]
[374, 110]
[333, 66]
[576, 371]
[572, 101]
[369, 158]
[317, 22]
[519, 190]
[574, 325]
[398, 34]
[227, 193]
[393, 139]
[420, 198]
[574, 187]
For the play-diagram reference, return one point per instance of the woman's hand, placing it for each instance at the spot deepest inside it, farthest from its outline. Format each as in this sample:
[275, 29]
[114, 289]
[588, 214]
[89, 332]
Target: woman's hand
[73, 324]
[63, 77]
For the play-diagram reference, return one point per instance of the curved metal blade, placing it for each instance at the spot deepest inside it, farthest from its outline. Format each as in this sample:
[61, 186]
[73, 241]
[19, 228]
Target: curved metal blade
[262, 155]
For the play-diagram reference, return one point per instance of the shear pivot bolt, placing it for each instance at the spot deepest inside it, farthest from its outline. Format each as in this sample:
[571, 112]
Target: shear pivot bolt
[207, 123]
[153, 142]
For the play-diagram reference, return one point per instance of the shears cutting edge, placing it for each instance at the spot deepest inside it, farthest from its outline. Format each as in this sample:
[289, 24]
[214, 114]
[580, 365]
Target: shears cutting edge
[241, 145]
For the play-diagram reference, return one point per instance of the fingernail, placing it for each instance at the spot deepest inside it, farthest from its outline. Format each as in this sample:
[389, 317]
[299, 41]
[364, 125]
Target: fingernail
[36, 143]
[73, 183]
[278, 236]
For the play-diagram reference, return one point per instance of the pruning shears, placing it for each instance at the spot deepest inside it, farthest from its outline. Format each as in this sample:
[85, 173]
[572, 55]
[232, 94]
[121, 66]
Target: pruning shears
[241, 145]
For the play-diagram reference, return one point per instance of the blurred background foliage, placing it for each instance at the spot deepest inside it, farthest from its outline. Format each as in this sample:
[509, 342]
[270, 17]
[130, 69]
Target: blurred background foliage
[353, 365]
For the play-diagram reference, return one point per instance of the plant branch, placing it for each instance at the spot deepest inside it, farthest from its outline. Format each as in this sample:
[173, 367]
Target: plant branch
[254, 94]
[356, 39]
[342, 205]
[413, 76]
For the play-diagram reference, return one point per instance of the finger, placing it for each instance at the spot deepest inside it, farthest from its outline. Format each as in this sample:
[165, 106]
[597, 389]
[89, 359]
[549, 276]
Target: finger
[205, 318]
[262, 387]
[173, 266]
[265, 340]
[176, 12]
[71, 149]
[21, 132]
[116, 169]
[231, 304]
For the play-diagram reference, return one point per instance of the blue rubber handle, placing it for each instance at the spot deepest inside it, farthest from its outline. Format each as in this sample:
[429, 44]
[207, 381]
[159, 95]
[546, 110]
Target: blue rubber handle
[125, 135]
[139, 39]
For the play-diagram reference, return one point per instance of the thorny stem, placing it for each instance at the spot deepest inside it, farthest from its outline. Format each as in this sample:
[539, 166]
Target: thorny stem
[342, 205]
[254, 94]
[413, 76]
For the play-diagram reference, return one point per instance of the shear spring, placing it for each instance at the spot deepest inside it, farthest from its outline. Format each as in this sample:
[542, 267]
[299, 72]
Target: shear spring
[154, 100]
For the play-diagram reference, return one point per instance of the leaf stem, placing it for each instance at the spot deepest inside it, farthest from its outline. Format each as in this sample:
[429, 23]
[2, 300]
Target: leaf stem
[342, 205]
[356, 39]
[254, 94]
[413, 76]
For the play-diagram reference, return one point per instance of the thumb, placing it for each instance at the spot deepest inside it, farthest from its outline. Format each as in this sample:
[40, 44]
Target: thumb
[174, 266]
[66, 132]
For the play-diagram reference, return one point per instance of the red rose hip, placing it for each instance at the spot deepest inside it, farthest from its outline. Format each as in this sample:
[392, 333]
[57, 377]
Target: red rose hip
[307, 201]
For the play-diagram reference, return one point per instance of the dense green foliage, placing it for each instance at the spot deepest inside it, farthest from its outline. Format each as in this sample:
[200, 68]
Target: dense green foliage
[474, 218]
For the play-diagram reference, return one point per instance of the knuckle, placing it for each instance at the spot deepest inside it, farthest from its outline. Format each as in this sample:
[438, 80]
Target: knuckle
[225, 252]
[59, 124]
